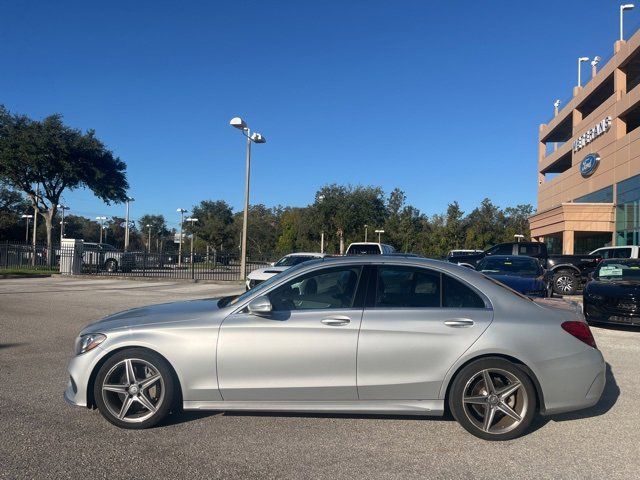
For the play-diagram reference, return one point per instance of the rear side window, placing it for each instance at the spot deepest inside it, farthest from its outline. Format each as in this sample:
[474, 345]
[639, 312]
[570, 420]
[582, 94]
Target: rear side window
[529, 250]
[411, 287]
[363, 250]
[505, 249]
[620, 253]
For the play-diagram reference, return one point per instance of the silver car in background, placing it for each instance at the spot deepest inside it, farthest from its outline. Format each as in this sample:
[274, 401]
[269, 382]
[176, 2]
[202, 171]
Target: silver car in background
[364, 334]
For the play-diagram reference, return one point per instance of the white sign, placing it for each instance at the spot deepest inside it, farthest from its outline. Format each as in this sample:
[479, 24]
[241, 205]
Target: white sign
[590, 135]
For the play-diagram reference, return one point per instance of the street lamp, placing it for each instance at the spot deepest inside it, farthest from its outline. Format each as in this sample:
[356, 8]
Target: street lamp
[626, 6]
[594, 63]
[192, 221]
[181, 211]
[148, 225]
[366, 229]
[556, 105]
[126, 227]
[241, 125]
[62, 209]
[379, 232]
[580, 61]
[28, 218]
[101, 220]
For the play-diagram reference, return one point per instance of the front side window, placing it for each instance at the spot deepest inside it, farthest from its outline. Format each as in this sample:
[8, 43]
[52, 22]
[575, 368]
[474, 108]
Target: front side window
[330, 288]
[504, 249]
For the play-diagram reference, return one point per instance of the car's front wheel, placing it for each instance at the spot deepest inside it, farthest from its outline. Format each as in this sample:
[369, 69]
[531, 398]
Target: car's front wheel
[111, 266]
[493, 399]
[134, 389]
[565, 283]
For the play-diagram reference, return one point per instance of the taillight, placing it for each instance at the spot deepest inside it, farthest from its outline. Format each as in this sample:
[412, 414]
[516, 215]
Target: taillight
[581, 331]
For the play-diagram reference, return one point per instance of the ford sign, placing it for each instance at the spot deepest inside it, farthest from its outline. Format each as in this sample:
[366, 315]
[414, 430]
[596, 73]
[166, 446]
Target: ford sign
[589, 164]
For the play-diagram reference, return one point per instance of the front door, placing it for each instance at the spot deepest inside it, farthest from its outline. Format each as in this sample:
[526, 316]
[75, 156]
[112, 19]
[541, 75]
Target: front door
[414, 328]
[304, 350]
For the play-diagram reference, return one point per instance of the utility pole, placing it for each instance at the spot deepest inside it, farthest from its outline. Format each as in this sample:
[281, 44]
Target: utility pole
[366, 228]
[35, 225]
[28, 219]
[101, 220]
[181, 212]
[149, 243]
[322, 241]
[62, 209]
[126, 227]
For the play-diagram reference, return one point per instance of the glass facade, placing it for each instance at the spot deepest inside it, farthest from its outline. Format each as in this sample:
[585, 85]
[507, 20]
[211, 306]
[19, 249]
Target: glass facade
[604, 195]
[554, 243]
[628, 212]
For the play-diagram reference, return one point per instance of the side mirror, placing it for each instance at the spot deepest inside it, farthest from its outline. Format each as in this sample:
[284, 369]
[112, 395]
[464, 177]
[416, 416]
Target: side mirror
[260, 306]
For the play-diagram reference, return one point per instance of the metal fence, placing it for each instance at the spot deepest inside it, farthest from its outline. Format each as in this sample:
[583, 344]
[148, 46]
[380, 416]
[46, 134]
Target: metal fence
[106, 261]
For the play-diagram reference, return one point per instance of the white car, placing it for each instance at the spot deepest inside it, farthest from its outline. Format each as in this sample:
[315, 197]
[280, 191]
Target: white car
[369, 248]
[623, 251]
[258, 276]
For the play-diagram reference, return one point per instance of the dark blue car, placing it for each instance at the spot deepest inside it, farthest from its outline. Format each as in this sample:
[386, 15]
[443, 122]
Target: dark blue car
[522, 274]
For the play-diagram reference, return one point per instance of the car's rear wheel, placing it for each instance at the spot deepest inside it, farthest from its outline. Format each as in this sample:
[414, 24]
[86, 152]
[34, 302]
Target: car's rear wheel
[111, 266]
[134, 389]
[493, 399]
[565, 283]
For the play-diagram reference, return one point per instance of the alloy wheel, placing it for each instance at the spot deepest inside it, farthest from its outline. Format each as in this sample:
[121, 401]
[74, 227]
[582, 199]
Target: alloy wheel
[495, 401]
[133, 390]
[564, 284]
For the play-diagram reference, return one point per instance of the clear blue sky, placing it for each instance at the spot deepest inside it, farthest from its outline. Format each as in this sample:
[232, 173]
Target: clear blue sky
[441, 101]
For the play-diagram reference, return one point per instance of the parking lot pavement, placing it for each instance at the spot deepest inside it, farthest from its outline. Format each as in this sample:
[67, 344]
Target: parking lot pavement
[42, 437]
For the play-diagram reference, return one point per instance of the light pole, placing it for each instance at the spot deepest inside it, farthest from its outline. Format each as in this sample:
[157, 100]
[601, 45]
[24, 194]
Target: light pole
[126, 227]
[322, 241]
[580, 61]
[594, 63]
[149, 243]
[62, 209]
[626, 6]
[28, 218]
[192, 221]
[181, 212]
[241, 125]
[379, 232]
[556, 104]
[366, 228]
[101, 220]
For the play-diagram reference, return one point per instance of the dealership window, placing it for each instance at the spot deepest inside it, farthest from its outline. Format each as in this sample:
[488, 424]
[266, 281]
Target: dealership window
[628, 211]
[586, 242]
[554, 243]
[604, 195]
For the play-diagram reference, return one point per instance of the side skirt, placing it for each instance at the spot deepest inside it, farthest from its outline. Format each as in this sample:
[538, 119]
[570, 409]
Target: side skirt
[377, 407]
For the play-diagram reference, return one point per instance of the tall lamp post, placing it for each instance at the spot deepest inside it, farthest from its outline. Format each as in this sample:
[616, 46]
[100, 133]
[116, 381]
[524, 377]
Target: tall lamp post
[181, 212]
[192, 221]
[581, 60]
[62, 209]
[28, 219]
[148, 225]
[366, 230]
[626, 6]
[379, 232]
[101, 220]
[126, 226]
[255, 137]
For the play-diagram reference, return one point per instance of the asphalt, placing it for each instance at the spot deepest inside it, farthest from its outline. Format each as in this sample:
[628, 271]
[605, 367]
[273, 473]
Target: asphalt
[42, 437]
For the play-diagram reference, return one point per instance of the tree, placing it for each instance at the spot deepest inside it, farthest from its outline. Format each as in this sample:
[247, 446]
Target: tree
[158, 227]
[12, 207]
[214, 225]
[44, 158]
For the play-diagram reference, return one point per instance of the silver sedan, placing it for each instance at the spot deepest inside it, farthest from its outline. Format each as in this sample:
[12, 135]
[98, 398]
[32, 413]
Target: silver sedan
[369, 334]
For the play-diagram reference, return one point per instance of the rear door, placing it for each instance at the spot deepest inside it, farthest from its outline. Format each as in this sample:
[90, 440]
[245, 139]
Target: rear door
[416, 323]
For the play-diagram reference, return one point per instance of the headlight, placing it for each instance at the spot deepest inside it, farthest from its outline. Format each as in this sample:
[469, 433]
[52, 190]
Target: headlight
[87, 342]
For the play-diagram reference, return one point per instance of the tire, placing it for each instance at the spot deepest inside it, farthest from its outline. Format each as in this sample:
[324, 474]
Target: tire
[111, 266]
[511, 411]
[565, 283]
[149, 397]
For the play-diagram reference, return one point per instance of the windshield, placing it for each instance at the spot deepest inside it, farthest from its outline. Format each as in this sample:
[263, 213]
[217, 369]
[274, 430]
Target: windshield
[510, 266]
[619, 270]
[291, 260]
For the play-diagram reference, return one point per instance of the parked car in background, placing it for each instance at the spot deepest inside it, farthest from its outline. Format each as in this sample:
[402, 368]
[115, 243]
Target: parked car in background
[369, 248]
[461, 252]
[613, 295]
[258, 276]
[570, 272]
[522, 274]
[626, 251]
[365, 334]
[107, 257]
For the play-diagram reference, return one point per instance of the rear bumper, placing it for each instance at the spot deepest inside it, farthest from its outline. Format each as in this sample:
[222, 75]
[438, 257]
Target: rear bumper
[573, 383]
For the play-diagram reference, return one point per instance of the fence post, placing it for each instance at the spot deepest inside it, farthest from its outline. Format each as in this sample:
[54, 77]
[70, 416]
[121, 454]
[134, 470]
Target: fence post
[6, 254]
[192, 267]
[144, 264]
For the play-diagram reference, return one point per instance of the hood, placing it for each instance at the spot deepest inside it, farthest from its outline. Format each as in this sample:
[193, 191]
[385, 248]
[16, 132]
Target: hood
[615, 288]
[519, 284]
[155, 314]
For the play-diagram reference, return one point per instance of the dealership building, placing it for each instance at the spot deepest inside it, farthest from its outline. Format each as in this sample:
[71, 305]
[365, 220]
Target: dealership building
[589, 161]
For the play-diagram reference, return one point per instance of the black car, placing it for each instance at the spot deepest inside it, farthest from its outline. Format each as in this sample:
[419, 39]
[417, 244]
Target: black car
[522, 274]
[613, 295]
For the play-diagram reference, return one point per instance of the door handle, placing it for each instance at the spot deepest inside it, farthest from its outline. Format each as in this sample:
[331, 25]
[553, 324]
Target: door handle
[336, 321]
[459, 322]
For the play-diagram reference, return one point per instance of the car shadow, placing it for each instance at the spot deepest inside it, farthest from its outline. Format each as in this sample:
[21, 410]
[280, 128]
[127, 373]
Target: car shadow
[616, 327]
[10, 345]
[607, 401]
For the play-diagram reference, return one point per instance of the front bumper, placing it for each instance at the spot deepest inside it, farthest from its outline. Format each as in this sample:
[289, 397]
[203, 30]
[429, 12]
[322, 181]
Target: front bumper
[608, 314]
[79, 371]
